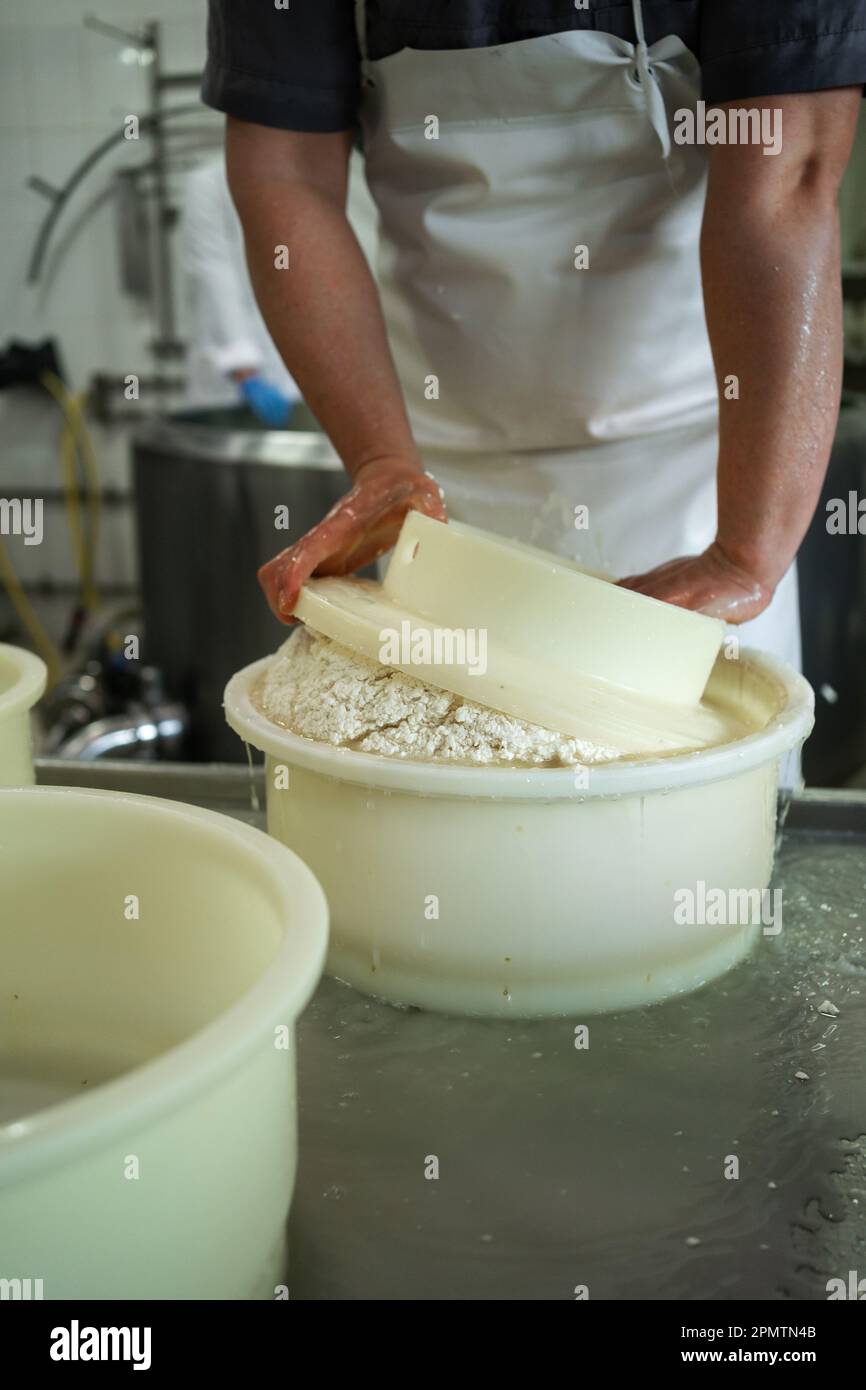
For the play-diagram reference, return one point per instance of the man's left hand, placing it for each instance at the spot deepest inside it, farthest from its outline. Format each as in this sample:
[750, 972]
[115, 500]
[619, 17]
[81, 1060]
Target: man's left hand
[710, 583]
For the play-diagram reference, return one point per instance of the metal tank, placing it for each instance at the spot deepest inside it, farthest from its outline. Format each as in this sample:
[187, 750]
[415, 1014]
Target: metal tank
[832, 571]
[207, 488]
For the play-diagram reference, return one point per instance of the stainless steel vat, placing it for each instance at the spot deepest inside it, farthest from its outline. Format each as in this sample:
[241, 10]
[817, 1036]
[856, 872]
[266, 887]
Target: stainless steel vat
[832, 572]
[207, 486]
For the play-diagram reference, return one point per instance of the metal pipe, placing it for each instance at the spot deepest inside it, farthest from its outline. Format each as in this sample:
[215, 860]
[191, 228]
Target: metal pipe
[138, 39]
[160, 729]
[179, 79]
[166, 341]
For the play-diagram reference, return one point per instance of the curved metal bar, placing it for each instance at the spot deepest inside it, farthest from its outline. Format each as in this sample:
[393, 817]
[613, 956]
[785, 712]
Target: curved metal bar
[62, 196]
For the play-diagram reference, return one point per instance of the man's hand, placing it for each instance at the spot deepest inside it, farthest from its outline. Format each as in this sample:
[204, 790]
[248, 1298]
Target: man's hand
[711, 583]
[362, 526]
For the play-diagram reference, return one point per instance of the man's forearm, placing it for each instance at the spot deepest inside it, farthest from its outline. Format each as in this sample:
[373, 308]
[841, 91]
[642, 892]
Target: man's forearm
[770, 258]
[774, 315]
[323, 311]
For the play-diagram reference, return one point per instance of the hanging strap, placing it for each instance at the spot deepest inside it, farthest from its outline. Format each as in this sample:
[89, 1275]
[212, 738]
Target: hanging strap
[652, 95]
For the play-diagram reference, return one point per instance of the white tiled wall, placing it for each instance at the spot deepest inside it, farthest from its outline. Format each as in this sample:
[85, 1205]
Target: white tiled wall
[63, 88]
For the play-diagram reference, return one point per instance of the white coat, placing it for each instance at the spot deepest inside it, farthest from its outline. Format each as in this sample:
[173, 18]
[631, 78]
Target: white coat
[228, 332]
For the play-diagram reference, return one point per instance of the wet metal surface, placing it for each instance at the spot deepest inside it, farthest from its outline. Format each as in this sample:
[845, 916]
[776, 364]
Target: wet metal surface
[609, 1166]
[603, 1167]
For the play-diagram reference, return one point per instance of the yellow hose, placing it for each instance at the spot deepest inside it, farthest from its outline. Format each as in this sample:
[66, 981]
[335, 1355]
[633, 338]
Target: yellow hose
[84, 549]
[92, 493]
[73, 505]
[75, 434]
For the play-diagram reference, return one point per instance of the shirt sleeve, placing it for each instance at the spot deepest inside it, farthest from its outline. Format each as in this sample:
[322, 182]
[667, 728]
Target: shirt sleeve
[756, 48]
[296, 68]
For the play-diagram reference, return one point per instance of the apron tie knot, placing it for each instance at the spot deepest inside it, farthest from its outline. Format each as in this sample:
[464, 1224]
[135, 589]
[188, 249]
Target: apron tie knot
[652, 96]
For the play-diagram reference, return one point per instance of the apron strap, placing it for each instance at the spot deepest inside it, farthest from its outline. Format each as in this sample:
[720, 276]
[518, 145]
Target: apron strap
[653, 100]
[652, 96]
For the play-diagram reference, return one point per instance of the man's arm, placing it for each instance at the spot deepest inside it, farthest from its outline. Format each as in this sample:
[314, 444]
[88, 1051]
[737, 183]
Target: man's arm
[323, 312]
[324, 315]
[770, 262]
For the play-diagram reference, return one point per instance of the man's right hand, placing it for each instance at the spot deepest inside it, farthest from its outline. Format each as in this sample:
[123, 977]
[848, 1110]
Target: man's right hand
[362, 526]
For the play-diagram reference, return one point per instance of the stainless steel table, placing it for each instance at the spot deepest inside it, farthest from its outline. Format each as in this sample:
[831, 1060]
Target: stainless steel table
[611, 1167]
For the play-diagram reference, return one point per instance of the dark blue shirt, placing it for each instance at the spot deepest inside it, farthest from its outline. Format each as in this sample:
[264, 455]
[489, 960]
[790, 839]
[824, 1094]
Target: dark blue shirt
[297, 68]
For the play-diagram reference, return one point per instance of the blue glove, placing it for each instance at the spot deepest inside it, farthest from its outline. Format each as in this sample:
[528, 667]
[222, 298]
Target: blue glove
[267, 403]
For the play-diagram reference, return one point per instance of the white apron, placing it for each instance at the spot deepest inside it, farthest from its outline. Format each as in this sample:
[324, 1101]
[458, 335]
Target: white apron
[534, 387]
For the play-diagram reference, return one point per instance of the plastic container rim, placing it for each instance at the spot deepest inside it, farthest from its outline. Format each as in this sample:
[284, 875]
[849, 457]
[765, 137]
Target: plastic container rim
[785, 730]
[60, 1132]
